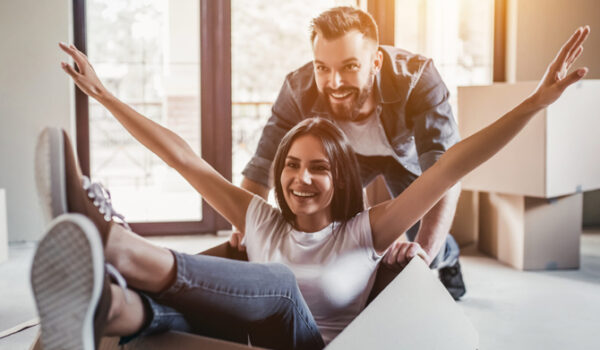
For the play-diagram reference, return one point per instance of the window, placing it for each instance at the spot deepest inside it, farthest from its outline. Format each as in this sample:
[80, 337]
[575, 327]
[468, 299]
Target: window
[456, 34]
[148, 53]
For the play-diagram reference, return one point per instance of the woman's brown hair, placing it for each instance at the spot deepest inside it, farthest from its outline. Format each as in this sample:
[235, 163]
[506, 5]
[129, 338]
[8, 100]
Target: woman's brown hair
[347, 198]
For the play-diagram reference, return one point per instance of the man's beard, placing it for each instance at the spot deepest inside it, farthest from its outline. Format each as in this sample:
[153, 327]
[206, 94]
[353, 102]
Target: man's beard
[349, 110]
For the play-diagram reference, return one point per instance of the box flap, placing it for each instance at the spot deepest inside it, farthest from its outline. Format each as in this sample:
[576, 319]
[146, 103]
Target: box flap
[414, 312]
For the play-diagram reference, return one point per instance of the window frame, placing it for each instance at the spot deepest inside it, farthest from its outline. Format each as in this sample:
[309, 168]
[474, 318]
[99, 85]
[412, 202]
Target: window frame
[215, 111]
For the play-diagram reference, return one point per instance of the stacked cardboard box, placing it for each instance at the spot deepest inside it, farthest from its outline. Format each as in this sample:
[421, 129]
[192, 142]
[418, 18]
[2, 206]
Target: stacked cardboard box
[530, 216]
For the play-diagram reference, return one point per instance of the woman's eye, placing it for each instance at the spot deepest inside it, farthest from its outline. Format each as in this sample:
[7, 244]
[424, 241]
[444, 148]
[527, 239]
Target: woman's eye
[322, 69]
[321, 168]
[292, 165]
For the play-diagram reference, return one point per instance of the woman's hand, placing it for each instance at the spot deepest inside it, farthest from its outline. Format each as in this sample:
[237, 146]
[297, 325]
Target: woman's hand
[555, 79]
[86, 79]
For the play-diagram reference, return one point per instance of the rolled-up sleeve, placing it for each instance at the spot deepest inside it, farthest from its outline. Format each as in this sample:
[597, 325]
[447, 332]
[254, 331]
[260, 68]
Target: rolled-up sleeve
[284, 115]
[429, 110]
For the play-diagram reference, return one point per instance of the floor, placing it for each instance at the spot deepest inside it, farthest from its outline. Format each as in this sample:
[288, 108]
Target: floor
[509, 308]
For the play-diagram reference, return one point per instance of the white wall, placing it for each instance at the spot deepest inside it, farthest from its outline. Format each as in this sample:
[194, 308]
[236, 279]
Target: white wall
[34, 92]
[536, 30]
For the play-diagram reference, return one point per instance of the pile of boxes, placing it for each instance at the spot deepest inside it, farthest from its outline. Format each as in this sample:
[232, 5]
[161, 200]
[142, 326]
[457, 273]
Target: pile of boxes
[528, 213]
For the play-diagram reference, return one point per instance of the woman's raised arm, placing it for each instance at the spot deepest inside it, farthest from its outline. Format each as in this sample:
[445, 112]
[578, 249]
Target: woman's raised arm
[391, 218]
[229, 200]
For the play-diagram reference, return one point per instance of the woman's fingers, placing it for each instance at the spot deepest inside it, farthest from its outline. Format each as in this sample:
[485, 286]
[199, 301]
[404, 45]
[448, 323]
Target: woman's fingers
[567, 47]
[574, 57]
[69, 70]
[572, 78]
[582, 37]
[75, 54]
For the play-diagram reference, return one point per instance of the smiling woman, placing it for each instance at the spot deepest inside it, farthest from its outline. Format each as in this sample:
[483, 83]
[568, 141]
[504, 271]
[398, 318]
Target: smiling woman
[316, 158]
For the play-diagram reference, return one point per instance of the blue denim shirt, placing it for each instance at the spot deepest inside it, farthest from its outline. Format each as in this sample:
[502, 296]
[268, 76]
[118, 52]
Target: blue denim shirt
[412, 105]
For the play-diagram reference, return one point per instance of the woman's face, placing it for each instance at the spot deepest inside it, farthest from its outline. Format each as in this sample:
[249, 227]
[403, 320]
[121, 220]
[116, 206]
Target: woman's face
[307, 183]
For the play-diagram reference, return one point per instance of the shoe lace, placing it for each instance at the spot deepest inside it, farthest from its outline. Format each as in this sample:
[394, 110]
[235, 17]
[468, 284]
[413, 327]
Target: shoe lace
[103, 201]
[117, 277]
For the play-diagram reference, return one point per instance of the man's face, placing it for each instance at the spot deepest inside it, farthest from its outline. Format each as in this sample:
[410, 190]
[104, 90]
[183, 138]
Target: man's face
[345, 71]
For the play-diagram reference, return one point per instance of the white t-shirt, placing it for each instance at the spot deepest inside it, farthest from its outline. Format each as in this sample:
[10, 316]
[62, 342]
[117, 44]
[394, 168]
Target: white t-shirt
[335, 269]
[367, 136]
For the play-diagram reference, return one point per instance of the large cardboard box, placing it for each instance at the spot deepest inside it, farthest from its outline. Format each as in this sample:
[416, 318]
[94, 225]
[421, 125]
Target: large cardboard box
[531, 233]
[414, 312]
[465, 227]
[554, 155]
[3, 227]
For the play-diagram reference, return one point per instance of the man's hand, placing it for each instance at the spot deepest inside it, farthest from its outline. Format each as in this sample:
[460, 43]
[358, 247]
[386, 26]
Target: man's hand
[235, 240]
[400, 254]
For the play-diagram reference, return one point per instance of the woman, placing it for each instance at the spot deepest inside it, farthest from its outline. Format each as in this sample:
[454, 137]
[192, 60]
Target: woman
[320, 231]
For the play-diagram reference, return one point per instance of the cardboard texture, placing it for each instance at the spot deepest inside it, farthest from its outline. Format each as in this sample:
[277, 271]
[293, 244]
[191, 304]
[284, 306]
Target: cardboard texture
[554, 154]
[465, 227]
[531, 233]
[414, 312]
[401, 317]
[3, 227]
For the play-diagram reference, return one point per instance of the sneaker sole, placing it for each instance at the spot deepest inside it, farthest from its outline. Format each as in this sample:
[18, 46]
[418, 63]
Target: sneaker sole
[50, 172]
[66, 277]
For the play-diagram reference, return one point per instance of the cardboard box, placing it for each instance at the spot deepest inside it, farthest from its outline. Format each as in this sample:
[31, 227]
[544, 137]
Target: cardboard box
[401, 317]
[553, 156]
[465, 227]
[3, 227]
[531, 233]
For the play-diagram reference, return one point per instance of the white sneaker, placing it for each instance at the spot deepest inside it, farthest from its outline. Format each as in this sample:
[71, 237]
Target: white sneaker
[70, 284]
[50, 174]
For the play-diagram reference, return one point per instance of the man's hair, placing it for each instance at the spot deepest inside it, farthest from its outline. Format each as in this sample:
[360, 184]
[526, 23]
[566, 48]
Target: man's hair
[347, 198]
[337, 21]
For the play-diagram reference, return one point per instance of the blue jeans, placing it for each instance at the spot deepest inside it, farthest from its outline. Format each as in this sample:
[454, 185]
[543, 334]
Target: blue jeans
[236, 301]
[397, 179]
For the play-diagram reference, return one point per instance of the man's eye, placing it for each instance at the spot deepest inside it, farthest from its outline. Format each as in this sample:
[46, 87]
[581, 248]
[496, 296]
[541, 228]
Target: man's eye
[322, 69]
[352, 67]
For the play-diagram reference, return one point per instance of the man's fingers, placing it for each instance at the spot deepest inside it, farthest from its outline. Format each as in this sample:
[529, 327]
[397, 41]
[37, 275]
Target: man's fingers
[423, 255]
[390, 256]
[411, 251]
[235, 240]
[401, 257]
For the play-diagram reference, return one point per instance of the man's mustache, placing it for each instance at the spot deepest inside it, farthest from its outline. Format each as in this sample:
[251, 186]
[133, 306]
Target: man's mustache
[340, 90]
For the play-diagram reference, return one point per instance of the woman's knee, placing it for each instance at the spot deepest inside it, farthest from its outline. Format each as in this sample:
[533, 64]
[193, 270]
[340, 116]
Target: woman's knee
[284, 278]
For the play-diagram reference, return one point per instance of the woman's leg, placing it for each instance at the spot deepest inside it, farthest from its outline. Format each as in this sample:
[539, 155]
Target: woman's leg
[220, 296]
[145, 266]
[127, 314]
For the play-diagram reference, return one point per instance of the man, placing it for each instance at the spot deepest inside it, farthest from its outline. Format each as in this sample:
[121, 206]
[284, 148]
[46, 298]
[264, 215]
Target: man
[392, 105]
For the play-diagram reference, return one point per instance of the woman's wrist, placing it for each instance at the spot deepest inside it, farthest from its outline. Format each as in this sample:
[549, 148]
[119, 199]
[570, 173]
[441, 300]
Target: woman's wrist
[104, 96]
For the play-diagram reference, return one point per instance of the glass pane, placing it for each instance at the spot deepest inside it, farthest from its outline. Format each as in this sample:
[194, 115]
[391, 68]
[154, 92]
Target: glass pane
[268, 40]
[147, 53]
[456, 34]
